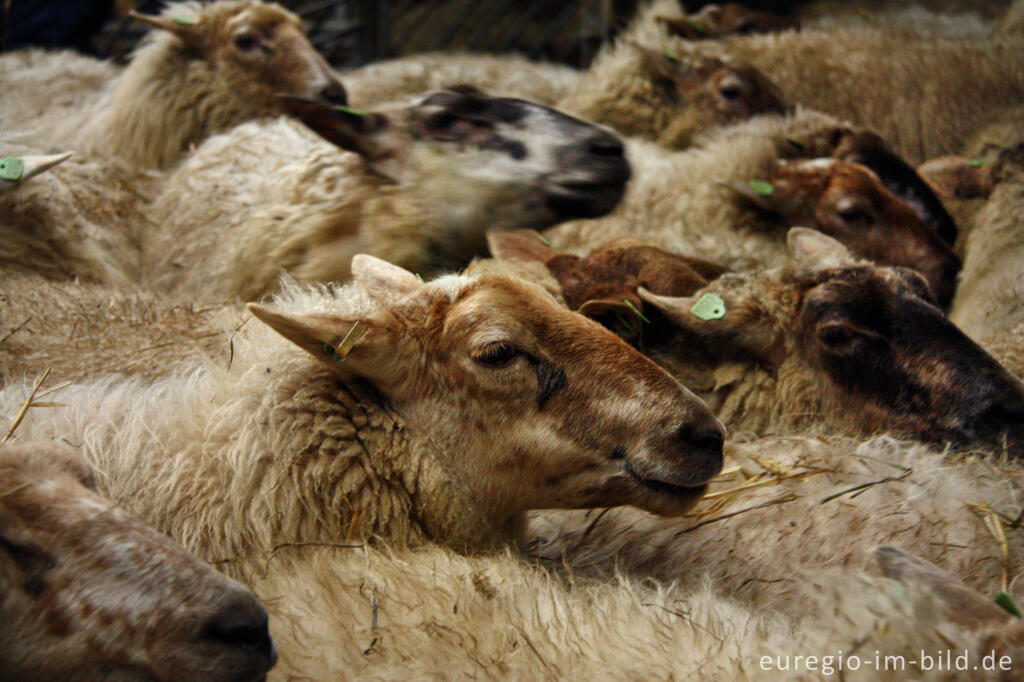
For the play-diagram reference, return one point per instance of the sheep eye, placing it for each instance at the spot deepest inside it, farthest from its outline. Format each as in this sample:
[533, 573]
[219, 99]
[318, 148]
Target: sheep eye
[245, 42]
[835, 335]
[731, 92]
[852, 215]
[496, 354]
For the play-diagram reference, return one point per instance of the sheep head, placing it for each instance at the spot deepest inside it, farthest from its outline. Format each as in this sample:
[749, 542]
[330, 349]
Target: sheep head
[259, 48]
[90, 592]
[847, 201]
[872, 336]
[473, 160]
[603, 284]
[677, 97]
[528, 404]
[718, 21]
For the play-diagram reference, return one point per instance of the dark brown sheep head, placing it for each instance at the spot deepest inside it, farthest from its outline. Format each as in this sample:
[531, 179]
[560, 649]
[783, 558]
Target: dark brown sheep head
[881, 351]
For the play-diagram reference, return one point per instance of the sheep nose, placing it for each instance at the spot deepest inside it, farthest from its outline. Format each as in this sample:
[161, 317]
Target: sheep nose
[335, 94]
[703, 445]
[241, 624]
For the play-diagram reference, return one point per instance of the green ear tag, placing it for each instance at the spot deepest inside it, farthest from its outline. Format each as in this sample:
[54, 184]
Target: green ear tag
[763, 188]
[709, 307]
[796, 143]
[11, 168]
[1004, 600]
[543, 239]
[634, 309]
[349, 110]
[975, 163]
[698, 25]
[669, 56]
[184, 21]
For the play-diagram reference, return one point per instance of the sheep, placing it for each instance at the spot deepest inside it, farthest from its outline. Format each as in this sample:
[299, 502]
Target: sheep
[84, 219]
[425, 181]
[232, 58]
[787, 346]
[88, 592]
[701, 202]
[326, 445]
[669, 97]
[924, 99]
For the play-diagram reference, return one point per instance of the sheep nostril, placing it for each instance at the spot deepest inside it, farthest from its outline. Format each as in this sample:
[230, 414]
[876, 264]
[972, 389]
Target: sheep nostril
[335, 94]
[708, 438]
[607, 146]
[240, 625]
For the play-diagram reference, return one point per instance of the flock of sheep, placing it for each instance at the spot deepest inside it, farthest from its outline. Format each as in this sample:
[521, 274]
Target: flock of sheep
[682, 366]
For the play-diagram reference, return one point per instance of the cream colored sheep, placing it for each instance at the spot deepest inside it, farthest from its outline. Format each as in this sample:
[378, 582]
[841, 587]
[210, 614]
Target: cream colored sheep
[426, 181]
[91, 593]
[82, 219]
[924, 98]
[319, 456]
[701, 203]
[205, 69]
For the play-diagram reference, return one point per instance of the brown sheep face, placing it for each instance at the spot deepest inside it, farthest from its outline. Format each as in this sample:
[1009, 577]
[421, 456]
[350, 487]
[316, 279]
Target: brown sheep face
[880, 348]
[260, 45]
[88, 592]
[695, 94]
[718, 21]
[545, 408]
[603, 285]
[474, 160]
[849, 203]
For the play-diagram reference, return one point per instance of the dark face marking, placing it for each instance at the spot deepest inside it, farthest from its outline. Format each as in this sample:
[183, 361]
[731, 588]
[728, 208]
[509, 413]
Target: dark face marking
[514, 148]
[549, 380]
[32, 561]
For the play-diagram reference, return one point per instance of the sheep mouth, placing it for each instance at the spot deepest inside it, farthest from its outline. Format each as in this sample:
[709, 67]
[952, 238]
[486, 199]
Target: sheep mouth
[682, 493]
[585, 199]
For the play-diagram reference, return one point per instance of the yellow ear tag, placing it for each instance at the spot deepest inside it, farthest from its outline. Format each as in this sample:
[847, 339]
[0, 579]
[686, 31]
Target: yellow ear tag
[348, 343]
[184, 21]
[763, 188]
[11, 168]
[709, 307]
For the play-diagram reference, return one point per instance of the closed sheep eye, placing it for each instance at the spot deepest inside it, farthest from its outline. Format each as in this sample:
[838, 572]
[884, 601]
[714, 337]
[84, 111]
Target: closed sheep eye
[731, 92]
[496, 354]
[852, 214]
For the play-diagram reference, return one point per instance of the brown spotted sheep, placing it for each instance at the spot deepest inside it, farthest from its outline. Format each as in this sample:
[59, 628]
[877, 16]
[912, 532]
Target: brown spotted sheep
[88, 592]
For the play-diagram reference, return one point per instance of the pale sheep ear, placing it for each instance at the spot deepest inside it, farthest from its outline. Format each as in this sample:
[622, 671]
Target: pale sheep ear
[348, 128]
[956, 177]
[675, 308]
[17, 169]
[525, 245]
[186, 26]
[962, 604]
[813, 250]
[384, 282]
[358, 346]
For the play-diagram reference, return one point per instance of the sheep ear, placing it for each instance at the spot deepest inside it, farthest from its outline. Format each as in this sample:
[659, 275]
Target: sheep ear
[384, 282]
[348, 128]
[813, 250]
[956, 177]
[16, 169]
[761, 194]
[657, 64]
[360, 346]
[187, 26]
[526, 245]
[962, 604]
